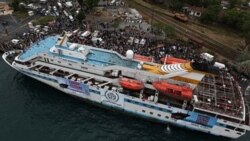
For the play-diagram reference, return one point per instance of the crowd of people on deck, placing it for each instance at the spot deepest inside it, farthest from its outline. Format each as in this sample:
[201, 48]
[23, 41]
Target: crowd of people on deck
[116, 40]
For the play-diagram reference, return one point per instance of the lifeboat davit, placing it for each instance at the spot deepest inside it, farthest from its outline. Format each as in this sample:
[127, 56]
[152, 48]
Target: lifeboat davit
[173, 60]
[131, 84]
[175, 91]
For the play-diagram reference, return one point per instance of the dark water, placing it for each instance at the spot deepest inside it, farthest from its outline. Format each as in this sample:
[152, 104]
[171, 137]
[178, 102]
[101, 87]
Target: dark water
[32, 111]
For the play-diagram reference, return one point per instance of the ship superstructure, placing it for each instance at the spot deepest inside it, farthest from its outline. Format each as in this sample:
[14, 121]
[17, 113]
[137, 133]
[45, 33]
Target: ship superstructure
[170, 93]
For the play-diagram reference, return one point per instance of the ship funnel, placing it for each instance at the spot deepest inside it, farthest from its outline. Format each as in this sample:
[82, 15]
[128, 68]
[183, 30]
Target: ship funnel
[130, 54]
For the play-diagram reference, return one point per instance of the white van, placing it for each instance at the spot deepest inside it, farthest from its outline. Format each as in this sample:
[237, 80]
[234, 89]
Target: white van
[207, 57]
[71, 18]
[68, 4]
[54, 8]
[85, 34]
[65, 13]
[31, 13]
[219, 65]
[15, 41]
[59, 4]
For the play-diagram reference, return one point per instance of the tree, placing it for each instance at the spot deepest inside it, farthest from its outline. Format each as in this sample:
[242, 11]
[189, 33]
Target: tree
[91, 3]
[246, 33]
[232, 18]
[15, 4]
[210, 15]
[80, 2]
[177, 5]
[80, 16]
[203, 3]
[233, 3]
[235, 18]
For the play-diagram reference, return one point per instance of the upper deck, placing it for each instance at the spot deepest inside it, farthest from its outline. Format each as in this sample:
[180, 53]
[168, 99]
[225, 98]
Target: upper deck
[220, 95]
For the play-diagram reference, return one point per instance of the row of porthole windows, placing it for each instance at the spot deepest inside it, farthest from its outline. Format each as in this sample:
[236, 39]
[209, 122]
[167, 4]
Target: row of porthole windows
[236, 133]
[148, 106]
[41, 77]
[151, 113]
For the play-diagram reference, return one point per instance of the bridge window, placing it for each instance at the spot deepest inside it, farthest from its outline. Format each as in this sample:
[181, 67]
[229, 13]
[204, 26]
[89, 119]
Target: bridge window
[230, 127]
[178, 93]
[240, 130]
[151, 113]
[170, 91]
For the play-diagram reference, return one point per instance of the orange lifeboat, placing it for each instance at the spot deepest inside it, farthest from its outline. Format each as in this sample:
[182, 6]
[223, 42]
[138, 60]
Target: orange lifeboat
[178, 92]
[173, 60]
[131, 84]
[143, 58]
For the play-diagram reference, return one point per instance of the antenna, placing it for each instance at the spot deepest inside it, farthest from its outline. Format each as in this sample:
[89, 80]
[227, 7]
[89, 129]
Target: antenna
[165, 59]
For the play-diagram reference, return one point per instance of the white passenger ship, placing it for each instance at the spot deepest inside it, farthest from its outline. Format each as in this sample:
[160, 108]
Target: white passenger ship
[169, 93]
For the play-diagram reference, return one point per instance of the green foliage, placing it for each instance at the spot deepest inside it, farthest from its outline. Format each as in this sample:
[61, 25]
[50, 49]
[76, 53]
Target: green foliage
[15, 4]
[80, 16]
[116, 23]
[91, 3]
[177, 5]
[244, 67]
[157, 28]
[211, 14]
[43, 20]
[243, 57]
[203, 3]
[246, 32]
[169, 30]
[235, 18]
[239, 20]
[80, 2]
[233, 3]
[22, 14]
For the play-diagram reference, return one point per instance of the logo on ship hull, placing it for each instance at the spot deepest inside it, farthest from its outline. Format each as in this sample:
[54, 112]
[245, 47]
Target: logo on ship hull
[111, 96]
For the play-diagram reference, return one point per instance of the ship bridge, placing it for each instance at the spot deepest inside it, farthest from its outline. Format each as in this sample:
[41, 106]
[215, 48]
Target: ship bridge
[90, 55]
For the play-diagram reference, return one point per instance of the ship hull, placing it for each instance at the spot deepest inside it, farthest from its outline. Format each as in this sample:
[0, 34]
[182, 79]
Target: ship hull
[138, 107]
